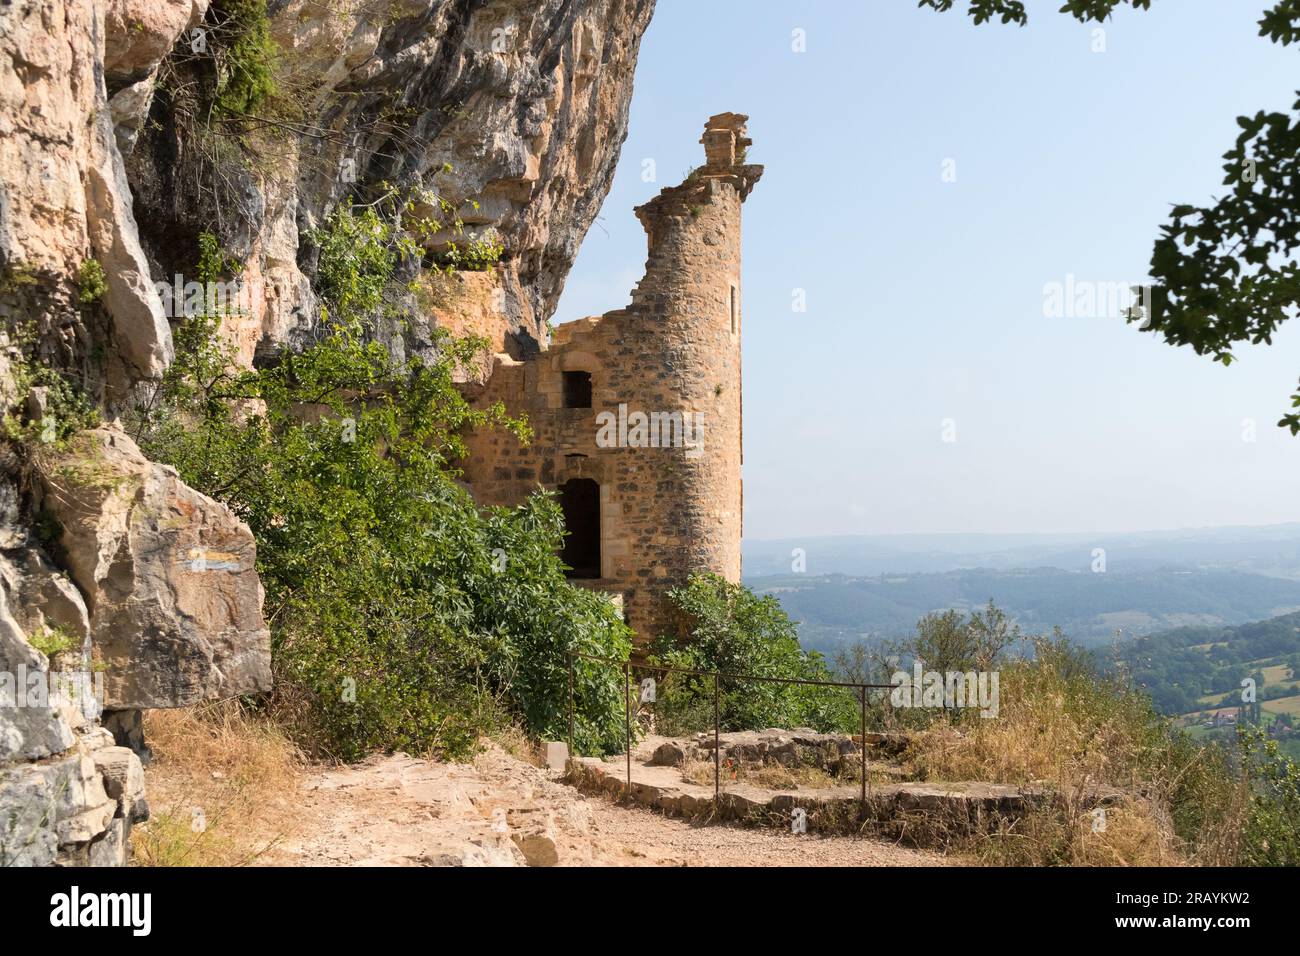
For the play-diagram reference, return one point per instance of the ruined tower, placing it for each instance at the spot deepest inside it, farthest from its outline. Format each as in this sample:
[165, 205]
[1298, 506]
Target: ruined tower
[637, 413]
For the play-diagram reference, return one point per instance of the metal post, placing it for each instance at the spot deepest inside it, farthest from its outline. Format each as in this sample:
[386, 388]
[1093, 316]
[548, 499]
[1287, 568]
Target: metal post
[627, 722]
[717, 752]
[571, 750]
[862, 809]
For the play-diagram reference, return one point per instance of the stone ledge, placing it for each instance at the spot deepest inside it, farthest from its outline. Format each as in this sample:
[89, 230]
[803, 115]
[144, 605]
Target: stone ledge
[932, 815]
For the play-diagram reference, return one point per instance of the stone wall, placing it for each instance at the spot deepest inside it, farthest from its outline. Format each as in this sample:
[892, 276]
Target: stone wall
[664, 512]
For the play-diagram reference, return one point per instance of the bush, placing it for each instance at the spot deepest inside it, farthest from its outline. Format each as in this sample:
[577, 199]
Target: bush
[92, 283]
[730, 629]
[245, 55]
[1272, 831]
[478, 255]
[402, 615]
[1062, 723]
[67, 408]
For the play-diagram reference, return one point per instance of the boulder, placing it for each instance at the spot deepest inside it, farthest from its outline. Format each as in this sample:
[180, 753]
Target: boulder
[39, 708]
[57, 811]
[537, 844]
[668, 754]
[123, 778]
[555, 754]
[168, 574]
[139, 33]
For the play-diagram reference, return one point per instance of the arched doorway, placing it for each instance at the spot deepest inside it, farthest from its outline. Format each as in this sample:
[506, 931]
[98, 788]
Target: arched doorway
[580, 501]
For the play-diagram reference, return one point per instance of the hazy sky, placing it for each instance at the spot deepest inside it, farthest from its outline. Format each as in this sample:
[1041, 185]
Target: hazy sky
[925, 298]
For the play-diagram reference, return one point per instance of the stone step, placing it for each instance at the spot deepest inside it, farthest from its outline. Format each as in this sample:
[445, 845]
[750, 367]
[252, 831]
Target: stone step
[935, 815]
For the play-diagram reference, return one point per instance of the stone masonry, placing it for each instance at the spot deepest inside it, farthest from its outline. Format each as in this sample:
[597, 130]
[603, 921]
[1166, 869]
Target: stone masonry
[637, 413]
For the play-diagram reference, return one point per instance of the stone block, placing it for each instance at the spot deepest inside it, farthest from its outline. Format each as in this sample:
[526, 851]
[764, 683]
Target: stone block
[556, 754]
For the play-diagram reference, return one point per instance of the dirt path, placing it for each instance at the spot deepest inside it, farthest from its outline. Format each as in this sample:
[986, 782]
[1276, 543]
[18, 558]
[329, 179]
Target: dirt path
[400, 811]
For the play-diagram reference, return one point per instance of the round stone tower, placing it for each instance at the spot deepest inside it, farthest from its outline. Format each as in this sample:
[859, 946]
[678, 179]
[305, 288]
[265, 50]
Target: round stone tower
[637, 413]
[684, 349]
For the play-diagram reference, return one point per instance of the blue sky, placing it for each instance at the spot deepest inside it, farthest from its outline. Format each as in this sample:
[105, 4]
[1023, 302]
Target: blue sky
[925, 298]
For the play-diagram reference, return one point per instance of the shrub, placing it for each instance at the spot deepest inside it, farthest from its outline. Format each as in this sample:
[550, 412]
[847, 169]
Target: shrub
[1272, 830]
[245, 55]
[53, 641]
[728, 628]
[362, 247]
[67, 409]
[1063, 724]
[478, 255]
[395, 625]
[91, 282]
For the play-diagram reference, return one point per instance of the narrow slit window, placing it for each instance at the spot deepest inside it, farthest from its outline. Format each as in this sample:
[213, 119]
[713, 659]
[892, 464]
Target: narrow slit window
[733, 310]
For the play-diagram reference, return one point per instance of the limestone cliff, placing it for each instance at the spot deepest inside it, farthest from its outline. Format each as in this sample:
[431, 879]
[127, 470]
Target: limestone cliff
[111, 569]
[519, 107]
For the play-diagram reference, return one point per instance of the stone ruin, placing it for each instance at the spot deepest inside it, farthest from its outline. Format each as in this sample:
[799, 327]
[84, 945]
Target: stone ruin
[637, 413]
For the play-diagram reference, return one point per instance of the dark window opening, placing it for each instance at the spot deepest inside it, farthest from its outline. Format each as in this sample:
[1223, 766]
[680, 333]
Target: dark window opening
[733, 310]
[580, 502]
[577, 390]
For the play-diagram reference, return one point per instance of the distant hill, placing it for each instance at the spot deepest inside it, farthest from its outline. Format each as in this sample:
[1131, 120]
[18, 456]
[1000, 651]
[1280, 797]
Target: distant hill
[1190, 669]
[1272, 550]
[836, 609]
[1196, 673]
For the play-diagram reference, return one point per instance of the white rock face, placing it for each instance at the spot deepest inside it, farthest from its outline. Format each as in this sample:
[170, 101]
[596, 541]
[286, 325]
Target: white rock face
[64, 197]
[518, 105]
[73, 806]
[169, 575]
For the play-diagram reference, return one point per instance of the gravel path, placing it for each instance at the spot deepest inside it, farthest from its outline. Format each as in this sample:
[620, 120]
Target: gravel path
[502, 811]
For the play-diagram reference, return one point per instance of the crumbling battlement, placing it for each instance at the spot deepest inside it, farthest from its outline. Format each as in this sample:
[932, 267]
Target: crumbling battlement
[637, 413]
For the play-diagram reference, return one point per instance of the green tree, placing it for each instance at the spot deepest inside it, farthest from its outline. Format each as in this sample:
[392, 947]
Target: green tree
[1272, 831]
[729, 629]
[402, 615]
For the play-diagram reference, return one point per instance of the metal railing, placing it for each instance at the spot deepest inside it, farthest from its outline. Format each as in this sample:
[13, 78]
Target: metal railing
[717, 676]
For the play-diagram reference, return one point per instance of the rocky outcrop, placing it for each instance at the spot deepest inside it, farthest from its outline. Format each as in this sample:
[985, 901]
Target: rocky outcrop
[110, 567]
[174, 599]
[518, 106]
[67, 794]
[64, 197]
[76, 78]
[160, 606]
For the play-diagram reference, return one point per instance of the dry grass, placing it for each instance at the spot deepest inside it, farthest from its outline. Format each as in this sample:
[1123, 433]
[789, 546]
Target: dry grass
[516, 741]
[1079, 736]
[1133, 835]
[222, 787]
[1056, 725]
[771, 776]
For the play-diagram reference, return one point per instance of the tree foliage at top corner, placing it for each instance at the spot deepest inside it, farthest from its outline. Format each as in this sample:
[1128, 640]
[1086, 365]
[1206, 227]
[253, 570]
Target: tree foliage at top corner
[1013, 11]
[1225, 272]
